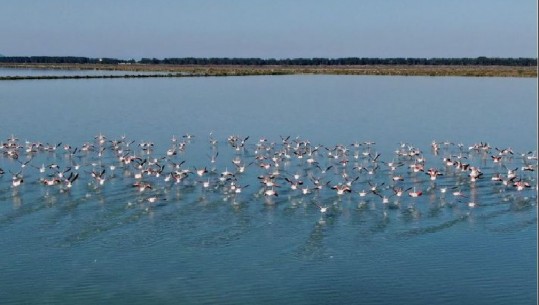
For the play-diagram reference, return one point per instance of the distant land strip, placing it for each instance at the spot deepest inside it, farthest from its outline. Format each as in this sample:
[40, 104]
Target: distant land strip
[192, 66]
[316, 61]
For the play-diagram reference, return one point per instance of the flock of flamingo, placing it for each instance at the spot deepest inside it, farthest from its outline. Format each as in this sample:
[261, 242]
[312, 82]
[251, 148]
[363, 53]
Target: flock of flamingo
[286, 168]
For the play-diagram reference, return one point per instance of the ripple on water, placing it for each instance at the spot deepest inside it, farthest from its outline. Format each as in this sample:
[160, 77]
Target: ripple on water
[110, 244]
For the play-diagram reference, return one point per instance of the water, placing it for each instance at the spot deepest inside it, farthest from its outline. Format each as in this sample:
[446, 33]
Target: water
[96, 244]
[58, 72]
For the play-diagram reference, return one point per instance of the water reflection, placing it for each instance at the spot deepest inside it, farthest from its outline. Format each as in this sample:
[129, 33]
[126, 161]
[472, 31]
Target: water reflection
[315, 247]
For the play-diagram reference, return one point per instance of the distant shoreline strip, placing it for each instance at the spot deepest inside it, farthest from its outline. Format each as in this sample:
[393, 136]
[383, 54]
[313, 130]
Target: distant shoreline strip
[517, 73]
[301, 61]
[43, 77]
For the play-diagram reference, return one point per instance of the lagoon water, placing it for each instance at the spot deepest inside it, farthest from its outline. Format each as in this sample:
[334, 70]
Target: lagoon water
[59, 72]
[107, 244]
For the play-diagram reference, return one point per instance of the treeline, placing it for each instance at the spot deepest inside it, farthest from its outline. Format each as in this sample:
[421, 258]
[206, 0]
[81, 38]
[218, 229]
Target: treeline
[61, 60]
[477, 61]
[481, 61]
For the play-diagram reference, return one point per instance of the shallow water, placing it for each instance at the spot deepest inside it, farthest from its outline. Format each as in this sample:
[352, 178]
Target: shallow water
[107, 243]
[58, 72]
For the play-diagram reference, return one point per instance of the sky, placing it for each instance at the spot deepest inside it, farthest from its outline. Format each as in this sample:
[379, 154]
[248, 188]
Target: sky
[269, 28]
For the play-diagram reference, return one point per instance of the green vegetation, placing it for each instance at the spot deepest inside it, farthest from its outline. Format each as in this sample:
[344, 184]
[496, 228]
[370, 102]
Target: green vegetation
[60, 60]
[348, 61]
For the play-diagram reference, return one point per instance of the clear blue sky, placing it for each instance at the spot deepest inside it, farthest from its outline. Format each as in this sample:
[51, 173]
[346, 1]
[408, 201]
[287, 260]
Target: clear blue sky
[269, 28]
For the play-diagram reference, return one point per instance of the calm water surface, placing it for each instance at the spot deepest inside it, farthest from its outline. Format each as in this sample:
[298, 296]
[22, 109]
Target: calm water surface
[56, 72]
[106, 243]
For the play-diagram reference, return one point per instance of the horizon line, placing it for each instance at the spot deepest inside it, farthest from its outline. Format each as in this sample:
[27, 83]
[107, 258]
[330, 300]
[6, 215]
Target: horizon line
[268, 58]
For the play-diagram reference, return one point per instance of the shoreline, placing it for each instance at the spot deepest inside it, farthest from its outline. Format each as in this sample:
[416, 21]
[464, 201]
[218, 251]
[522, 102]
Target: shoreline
[164, 70]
